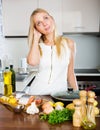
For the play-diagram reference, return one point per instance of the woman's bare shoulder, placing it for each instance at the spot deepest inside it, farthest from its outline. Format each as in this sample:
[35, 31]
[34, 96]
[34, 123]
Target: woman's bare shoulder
[71, 43]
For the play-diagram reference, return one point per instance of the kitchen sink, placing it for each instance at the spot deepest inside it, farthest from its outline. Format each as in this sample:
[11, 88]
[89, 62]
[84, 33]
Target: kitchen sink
[21, 77]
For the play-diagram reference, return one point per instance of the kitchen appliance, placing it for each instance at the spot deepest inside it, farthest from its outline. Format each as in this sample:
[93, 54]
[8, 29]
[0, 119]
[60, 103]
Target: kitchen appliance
[88, 79]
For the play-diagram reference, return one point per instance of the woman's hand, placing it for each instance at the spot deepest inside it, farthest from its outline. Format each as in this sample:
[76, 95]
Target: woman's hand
[33, 57]
[37, 35]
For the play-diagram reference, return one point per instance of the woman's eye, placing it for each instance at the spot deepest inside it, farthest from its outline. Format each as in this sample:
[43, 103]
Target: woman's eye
[46, 17]
[38, 23]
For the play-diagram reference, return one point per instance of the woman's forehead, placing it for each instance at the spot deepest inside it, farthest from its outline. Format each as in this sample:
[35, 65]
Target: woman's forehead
[39, 15]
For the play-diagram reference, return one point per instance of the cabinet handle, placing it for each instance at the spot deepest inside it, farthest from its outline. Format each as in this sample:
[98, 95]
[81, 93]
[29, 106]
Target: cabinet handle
[80, 27]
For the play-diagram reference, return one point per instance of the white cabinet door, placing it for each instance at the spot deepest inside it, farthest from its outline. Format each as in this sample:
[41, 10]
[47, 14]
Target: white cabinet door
[54, 7]
[80, 15]
[16, 16]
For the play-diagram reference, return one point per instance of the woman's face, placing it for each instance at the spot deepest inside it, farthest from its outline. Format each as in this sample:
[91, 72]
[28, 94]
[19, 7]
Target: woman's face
[44, 23]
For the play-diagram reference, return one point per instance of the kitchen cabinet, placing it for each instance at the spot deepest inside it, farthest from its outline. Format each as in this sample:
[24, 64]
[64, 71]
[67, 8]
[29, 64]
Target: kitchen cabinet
[69, 15]
[16, 16]
[80, 16]
[54, 7]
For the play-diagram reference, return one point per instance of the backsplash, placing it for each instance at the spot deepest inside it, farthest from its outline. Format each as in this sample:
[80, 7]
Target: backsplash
[87, 50]
[13, 50]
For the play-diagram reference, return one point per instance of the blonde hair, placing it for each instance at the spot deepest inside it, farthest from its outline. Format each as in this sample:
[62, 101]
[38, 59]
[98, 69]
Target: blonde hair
[57, 39]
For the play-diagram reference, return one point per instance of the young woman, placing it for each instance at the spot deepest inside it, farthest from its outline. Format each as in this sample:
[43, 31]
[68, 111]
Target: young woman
[54, 54]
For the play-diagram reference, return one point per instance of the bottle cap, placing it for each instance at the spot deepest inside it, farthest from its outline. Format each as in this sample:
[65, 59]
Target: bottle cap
[6, 67]
[83, 93]
[11, 66]
[91, 94]
[91, 100]
[77, 102]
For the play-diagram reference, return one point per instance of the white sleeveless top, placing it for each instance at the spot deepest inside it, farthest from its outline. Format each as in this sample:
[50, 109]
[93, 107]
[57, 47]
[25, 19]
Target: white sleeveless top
[52, 75]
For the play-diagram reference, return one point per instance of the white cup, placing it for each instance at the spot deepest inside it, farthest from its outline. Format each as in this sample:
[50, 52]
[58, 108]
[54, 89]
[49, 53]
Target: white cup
[23, 63]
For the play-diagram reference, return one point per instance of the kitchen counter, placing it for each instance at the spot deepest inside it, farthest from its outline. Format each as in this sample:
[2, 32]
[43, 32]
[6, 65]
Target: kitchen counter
[87, 72]
[23, 121]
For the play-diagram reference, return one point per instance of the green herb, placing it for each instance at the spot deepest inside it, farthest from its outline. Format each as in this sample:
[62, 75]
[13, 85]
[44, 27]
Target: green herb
[44, 117]
[58, 116]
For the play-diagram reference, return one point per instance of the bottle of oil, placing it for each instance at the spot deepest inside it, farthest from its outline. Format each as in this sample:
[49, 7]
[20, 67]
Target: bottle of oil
[13, 79]
[7, 82]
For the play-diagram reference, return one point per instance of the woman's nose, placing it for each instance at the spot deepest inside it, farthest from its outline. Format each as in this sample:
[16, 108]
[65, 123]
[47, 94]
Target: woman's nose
[44, 23]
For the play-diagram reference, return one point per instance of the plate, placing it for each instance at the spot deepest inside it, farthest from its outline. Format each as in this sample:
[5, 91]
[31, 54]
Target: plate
[65, 96]
[18, 108]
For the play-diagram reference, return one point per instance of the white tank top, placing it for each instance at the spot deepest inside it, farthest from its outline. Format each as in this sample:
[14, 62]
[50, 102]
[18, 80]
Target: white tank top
[52, 75]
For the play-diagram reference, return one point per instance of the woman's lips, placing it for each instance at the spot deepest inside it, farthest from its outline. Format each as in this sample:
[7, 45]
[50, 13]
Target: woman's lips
[47, 29]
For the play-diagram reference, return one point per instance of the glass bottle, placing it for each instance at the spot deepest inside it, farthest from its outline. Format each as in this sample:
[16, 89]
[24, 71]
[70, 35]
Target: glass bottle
[77, 116]
[13, 79]
[7, 82]
[83, 98]
[89, 122]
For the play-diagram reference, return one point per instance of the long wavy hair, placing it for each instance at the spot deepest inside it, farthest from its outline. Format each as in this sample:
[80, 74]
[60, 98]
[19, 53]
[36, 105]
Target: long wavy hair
[57, 39]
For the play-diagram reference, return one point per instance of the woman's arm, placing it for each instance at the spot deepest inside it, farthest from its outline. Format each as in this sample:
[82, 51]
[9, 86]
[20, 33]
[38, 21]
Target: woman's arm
[33, 57]
[71, 75]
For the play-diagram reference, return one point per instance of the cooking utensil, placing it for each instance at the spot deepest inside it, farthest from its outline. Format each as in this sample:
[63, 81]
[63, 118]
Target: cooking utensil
[65, 96]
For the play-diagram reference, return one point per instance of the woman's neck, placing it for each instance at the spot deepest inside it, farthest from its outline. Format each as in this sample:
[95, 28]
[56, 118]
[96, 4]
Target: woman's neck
[49, 40]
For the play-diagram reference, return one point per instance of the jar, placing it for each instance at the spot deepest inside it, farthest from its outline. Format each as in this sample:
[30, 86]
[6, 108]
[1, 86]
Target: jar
[77, 116]
[83, 98]
[89, 122]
